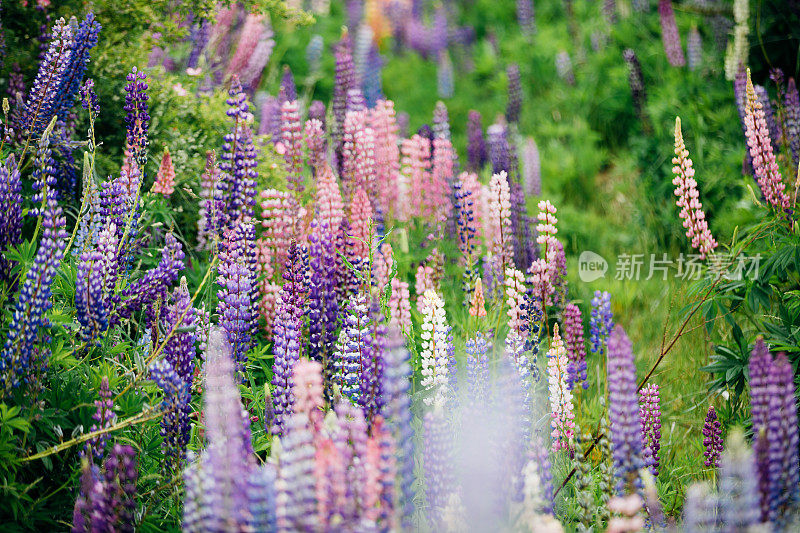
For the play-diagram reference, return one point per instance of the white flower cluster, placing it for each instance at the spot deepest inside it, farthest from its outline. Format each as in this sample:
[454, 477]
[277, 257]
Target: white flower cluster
[434, 348]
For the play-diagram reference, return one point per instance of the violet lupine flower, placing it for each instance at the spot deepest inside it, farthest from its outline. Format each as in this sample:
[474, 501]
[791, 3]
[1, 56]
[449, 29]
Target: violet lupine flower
[287, 333]
[176, 405]
[514, 104]
[343, 83]
[137, 118]
[397, 411]
[694, 218]
[11, 214]
[476, 146]
[765, 167]
[262, 498]
[371, 80]
[89, 100]
[372, 365]
[737, 485]
[103, 417]
[238, 161]
[317, 111]
[497, 143]
[601, 322]
[636, 82]
[626, 436]
[712, 438]
[25, 352]
[44, 178]
[477, 368]
[465, 209]
[353, 348]
[42, 102]
[179, 319]
[218, 481]
[436, 463]
[576, 349]
[85, 38]
[650, 418]
[288, 90]
[791, 106]
[238, 293]
[211, 213]
[670, 35]
[323, 304]
[531, 168]
[90, 293]
[198, 35]
[106, 500]
[141, 293]
[694, 49]
[525, 16]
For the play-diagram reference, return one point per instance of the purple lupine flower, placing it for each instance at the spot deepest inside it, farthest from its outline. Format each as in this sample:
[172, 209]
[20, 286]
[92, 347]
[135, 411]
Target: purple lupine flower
[712, 433]
[699, 510]
[350, 439]
[270, 119]
[317, 111]
[176, 406]
[737, 485]
[498, 148]
[476, 146]
[180, 319]
[759, 367]
[769, 115]
[250, 76]
[355, 10]
[238, 160]
[90, 297]
[198, 35]
[104, 417]
[601, 322]
[573, 338]
[42, 102]
[355, 100]
[85, 39]
[288, 90]
[519, 226]
[372, 365]
[623, 411]
[397, 412]
[218, 483]
[26, 350]
[694, 49]
[344, 81]
[670, 35]
[11, 214]
[89, 99]
[535, 315]
[237, 280]
[353, 348]
[296, 484]
[371, 84]
[287, 335]
[323, 304]
[477, 368]
[44, 178]
[531, 168]
[791, 106]
[106, 501]
[610, 11]
[525, 16]
[436, 462]
[514, 103]
[539, 454]
[137, 118]
[636, 82]
[262, 498]
[650, 418]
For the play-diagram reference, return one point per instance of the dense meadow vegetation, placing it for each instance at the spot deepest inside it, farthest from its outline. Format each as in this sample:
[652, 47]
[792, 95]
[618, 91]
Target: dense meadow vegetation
[399, 265]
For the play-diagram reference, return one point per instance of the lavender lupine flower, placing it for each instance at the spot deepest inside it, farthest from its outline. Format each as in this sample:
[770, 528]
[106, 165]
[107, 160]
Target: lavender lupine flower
[791, 106]
[211, 213]
[650, 417]
[137, 118]
[737, 485]
[601, 322]
[564, 67]
[626, 437]
[89, 100]
[85, 39]
[292, 139]
[262, 498]
[437, 459]
[25, 352]
[104, 417]
[176, 405]
[323, 304]
[712, 438]
[525, 16]
[477, 368]
[670, 35]
[514, 104]
[476, 146]
[154, 284]
[198, 35]
[576, 349]
[531, 168]
[218, 482]
[314, 53]
[317, 111]
[288, 90]
[397, 412]
[371, 80]
[295, 487]
[355, 100]
[44, 178]
[11, 214]
[636, 82]
[699, 510]
[106, 500]
[694, 49]
[498, 148]
[343, 83]
[287, 334]
[238, 160]
[42, 102]
[372, 365]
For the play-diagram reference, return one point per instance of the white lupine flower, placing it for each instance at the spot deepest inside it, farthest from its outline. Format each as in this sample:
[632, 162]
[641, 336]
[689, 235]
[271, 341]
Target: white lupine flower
[434, 348]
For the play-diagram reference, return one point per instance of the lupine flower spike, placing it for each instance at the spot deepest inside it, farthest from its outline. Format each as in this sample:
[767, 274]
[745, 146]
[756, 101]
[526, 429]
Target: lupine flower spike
[561, 410]
[712, 438]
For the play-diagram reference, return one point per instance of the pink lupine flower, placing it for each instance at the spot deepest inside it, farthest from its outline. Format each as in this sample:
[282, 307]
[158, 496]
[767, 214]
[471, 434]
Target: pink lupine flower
[424, 280]
[267, 288]
[315, 144]
[694, 219]
[437, 194]
[292, 139]
[544, 271]
[400, 306]
[477, 305]
[328, 203]
[561, 410]
[499, 237]
[415, 173]
[165, 179]
[515, 299]
[382, 265]
[360, 222]
[358, 153]
[308, 393]
[766, 169]
[248, 40]
[670, 35]
[387, 154]
[278, 222]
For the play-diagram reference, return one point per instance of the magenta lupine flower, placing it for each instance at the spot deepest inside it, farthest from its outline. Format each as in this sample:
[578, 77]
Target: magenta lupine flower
[623, 412]
[360, 220]
[670, 35]
[250, 75]
[292, 139]
[248, 40]
[650, 418]
[437, 194]
[712, 438]
[765, 167]
[694, 219]
[358, 154]
[25, 352]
